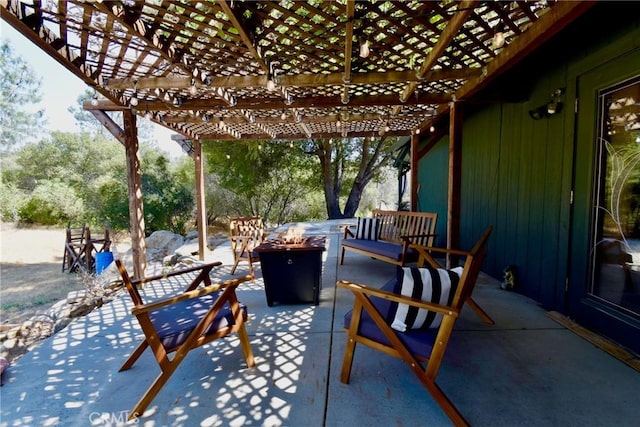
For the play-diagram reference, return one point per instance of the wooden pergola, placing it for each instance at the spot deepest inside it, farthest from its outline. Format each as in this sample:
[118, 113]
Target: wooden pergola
[234, 69]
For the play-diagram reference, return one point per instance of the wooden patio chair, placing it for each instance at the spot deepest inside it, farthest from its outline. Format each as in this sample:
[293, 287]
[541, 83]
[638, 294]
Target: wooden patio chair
[74, 248]
[245, 233]
[180, 323]
[379, 316]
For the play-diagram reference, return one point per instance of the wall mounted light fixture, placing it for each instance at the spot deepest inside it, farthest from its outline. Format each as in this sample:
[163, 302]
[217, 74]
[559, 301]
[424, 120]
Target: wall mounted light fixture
[550, 108]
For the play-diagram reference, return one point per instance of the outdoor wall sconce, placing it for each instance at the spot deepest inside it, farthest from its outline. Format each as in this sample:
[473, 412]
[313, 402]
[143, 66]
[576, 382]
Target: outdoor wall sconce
[550, 108]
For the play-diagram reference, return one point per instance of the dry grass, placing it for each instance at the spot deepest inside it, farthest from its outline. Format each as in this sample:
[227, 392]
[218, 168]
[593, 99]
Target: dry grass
[31, 277]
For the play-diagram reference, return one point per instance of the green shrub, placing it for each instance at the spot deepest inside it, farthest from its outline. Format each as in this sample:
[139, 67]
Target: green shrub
[51, 203]
[11, 200]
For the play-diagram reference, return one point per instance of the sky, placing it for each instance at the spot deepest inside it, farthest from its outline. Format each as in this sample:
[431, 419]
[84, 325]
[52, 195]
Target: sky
[60, 90]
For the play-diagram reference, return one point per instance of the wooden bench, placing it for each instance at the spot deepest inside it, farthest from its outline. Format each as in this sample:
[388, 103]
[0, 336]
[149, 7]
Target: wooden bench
[395, 231]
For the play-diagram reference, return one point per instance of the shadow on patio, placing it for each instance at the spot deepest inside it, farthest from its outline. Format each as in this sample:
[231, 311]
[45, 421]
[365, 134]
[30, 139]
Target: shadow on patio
[525, 370]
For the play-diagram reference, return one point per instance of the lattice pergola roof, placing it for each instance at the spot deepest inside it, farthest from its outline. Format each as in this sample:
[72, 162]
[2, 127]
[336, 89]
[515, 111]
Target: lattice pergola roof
[287, 69]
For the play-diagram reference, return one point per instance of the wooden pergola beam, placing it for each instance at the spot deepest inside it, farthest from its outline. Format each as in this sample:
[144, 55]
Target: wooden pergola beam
[244, 34]
[276, 120]
[451, 30]
[413, 171]
[278, 104]
[128, 137]
[299, 80]
[113, 128]
[289, 136]
[136, 207]
[201, 210]
[455, 178]
[348, 41]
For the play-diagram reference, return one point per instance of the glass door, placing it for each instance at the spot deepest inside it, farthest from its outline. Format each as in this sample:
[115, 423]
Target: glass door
[615, 252]
[603, 286]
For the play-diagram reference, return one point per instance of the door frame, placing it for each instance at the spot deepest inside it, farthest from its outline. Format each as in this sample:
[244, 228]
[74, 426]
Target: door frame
[594, 313]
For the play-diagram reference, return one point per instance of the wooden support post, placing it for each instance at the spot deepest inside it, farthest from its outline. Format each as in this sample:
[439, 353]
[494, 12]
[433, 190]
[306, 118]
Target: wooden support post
[455, 177]
[414, 172]
[136, 209]
[201, 213]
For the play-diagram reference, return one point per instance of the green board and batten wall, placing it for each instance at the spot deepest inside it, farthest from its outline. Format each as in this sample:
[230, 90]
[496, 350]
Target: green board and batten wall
[518, 173]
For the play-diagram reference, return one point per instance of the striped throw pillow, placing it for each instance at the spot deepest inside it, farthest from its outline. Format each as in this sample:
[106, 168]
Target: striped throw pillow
[367, 229]
[428, 284]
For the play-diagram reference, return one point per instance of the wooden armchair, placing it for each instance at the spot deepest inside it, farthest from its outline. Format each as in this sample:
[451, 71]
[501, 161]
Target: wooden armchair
[74, 248]
[179, 323]
[246, 233]
[380, 315]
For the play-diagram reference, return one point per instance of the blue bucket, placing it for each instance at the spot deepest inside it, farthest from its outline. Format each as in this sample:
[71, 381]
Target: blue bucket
[103, 259]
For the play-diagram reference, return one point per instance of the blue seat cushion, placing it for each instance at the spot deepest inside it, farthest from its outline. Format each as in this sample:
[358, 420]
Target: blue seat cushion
[175, 322]
[379, 247]
[418, 341]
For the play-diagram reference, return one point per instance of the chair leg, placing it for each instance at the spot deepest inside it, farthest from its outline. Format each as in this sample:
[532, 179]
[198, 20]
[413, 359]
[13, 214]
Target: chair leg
[134, 356]
[246, 346]
[441, 399]
[151, 393]
[235, 265]
[480, 312]
[342, 256]
[350, 347]
[347, 362]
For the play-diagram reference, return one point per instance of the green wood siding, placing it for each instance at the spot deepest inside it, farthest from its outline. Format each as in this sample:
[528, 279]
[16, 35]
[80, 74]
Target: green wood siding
[518, 172]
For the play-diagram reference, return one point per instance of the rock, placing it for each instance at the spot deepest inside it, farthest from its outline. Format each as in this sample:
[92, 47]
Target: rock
[61, 324]
[192, 235]
[75, 297]
[4, 363]
[191, 248]
[162, 243]
[171, 259]
[85, 308]
[215, 240]
[60, 310]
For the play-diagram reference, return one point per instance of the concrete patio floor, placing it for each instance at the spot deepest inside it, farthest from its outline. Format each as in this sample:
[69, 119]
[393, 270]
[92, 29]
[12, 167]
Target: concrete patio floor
[525, 370]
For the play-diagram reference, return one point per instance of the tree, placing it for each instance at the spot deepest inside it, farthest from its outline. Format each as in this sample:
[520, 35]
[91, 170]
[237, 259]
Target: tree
[19, 88]
[265, 178]
[282, 179]
[168, 198]
[347, 166]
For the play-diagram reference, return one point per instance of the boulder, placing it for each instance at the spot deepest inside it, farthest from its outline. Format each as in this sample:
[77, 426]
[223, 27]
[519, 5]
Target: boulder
[162, 243]
[192, 235]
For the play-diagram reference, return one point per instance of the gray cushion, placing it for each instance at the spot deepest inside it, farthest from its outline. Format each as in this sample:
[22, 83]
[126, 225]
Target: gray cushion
[175, 322]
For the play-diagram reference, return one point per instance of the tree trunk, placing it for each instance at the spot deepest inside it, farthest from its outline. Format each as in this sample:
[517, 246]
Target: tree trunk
[331, 181]
[353, 201]
[333, 162]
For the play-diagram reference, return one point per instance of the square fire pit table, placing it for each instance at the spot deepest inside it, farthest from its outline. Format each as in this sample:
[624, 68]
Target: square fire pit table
[292, 271]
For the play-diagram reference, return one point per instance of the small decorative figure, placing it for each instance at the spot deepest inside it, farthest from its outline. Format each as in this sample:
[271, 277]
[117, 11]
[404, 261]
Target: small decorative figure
[509, 278]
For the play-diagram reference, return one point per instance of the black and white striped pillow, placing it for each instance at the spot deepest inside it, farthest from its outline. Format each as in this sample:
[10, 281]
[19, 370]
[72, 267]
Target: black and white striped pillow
[367, 229]
[428, 284]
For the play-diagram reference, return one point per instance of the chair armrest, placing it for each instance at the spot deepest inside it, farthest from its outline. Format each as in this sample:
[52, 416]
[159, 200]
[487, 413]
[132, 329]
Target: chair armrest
[379, 293]
[208, 267]
[188, 295]
[420, 249]
[413, 236]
